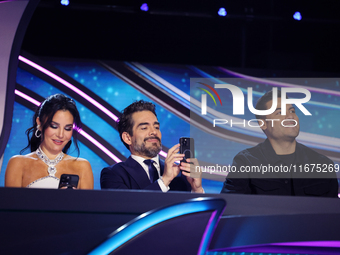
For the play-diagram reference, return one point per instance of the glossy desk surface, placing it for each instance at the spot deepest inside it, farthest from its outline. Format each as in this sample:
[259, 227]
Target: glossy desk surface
[54, 220]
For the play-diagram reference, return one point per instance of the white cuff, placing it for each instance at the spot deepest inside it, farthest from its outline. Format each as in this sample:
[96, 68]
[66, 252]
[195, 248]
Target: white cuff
[201, 193]
[162, 185]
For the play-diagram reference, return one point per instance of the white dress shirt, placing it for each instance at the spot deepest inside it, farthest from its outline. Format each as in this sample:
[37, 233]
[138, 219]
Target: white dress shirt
[140, 160]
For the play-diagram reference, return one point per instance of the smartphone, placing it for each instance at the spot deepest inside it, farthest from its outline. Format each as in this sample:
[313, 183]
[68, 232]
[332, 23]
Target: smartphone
[69, 181]
[187, 147]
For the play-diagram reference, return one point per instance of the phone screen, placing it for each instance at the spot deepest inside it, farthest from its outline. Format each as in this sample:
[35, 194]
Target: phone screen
[187, 147]
[68, 181]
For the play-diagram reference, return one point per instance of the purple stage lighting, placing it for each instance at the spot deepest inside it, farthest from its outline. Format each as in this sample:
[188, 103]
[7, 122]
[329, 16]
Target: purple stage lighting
[69, 85]
[222, 12]
[28, 98]
[144, 7]
[65, 2]
[297, 16]
[100, 146]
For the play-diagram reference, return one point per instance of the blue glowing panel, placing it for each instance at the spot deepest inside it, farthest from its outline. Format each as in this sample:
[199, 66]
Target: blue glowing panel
[222, 12]
[213, 187]
[65, 2]
[297, 16]
[148, 220]
[144, 7]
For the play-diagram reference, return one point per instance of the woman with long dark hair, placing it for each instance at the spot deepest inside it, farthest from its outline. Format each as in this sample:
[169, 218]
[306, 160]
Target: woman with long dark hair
[55, 123]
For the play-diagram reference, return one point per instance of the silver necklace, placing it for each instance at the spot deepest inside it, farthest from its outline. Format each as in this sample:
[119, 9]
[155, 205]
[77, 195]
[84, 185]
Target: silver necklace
[50, 163]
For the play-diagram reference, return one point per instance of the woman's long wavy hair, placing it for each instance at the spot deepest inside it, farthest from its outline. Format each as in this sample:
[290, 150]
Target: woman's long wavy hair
[45, 112]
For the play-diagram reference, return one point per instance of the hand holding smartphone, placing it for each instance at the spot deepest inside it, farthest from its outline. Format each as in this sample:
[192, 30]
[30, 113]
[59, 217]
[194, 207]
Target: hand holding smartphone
[68, 181]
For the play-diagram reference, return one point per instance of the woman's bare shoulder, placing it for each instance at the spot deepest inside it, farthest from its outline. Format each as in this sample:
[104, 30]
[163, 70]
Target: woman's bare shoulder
[15, 168]
[77, 161]
[74, 159]
[22, 158]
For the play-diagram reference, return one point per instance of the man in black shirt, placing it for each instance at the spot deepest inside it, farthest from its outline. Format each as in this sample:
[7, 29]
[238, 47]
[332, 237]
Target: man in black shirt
[280, 165]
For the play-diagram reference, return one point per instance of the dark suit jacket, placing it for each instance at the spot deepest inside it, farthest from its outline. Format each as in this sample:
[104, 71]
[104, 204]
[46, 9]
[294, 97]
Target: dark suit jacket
[131, 175]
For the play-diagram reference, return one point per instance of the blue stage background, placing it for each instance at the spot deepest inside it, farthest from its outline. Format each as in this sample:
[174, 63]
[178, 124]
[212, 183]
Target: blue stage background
[118, 93]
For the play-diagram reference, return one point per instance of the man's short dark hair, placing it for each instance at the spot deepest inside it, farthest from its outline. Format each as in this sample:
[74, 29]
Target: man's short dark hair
[125, 123]
[261, 103]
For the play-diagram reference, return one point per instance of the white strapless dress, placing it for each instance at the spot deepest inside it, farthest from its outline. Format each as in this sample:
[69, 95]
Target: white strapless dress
[47, 182]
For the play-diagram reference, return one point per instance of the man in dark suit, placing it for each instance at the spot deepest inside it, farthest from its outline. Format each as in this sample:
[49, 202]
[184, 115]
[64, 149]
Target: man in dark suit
[288, 164]
[139, 131]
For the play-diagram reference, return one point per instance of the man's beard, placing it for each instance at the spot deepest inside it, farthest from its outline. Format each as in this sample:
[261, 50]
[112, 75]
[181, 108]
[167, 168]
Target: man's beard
[148, 152]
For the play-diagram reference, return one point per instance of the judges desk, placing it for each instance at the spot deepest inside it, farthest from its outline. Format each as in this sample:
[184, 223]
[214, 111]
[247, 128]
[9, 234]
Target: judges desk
[36, 221]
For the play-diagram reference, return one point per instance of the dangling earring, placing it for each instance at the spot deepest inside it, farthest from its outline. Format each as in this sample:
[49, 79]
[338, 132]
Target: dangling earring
[36, 132]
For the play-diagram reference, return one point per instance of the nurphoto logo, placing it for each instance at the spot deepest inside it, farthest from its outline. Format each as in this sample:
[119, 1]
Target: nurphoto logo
[238, 99]
[238, 103]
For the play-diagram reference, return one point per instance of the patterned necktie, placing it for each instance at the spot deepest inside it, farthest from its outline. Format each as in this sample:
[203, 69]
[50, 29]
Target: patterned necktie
[152, 170]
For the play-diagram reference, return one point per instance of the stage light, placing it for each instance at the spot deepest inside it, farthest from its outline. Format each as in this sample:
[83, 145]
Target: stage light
[297, 16]
[144, 7]
[65, 2]
[222, 12]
